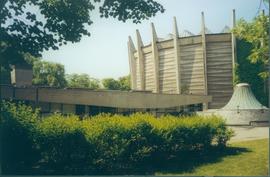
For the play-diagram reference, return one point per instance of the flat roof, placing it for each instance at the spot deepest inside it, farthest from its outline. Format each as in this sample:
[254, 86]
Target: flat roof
[105, 98]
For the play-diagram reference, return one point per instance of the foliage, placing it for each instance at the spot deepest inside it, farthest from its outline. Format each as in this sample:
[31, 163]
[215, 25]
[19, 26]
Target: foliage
[252, 55]
[104, 144]
[63, 145]
[123, 83]
[82, 81]
[18, 143]
[248, 72]
[111, 84]
[49, 74]
[257, 34]
[31, 26]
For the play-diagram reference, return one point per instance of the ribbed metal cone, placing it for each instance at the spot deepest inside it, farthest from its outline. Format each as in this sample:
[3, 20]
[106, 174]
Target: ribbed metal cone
[243, 98]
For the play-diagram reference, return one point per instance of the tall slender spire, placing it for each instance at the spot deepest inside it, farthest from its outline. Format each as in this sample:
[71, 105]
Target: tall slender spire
[205, 105]
[154, 33]
[234, 50]
[177, 56]
[132, 66]
[131, 44]
[155, 57]
[139, 38]
[175, 27]
[141, 59]
[203, 23]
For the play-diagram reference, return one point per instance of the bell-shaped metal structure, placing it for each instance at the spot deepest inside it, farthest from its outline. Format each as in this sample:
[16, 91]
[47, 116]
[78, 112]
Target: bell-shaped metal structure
[243, 98]
[243, 108]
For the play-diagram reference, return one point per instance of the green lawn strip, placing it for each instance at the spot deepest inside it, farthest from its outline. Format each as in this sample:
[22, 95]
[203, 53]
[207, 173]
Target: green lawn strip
[252, 160]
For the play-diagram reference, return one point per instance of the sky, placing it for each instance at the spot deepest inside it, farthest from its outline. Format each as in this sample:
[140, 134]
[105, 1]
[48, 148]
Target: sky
[105, 55]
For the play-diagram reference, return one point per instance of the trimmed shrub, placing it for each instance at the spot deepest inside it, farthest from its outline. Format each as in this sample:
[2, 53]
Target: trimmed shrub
[18, 146]
[110, 144]
[142, 141]
[63, 145]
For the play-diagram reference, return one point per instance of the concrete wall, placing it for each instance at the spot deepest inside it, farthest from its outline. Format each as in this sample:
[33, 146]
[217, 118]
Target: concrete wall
[244, 117]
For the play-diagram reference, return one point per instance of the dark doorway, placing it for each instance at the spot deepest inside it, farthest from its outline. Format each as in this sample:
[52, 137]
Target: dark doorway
[80, 109]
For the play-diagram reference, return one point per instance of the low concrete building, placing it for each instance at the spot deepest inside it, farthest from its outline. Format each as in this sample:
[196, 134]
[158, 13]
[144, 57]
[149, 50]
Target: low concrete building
[90, 102]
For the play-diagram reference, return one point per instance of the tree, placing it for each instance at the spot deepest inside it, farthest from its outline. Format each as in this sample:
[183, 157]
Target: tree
[123, 83]
[82, 81]
[253, 38]
[247, 72]
[256, 33]
[32, 26]
[49, 74]
[111, 84]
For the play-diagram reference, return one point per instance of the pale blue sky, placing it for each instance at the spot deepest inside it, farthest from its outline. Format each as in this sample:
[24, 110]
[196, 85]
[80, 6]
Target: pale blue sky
[104, 53]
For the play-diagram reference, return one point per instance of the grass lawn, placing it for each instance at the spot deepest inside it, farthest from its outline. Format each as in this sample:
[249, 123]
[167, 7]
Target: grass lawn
[248, 158]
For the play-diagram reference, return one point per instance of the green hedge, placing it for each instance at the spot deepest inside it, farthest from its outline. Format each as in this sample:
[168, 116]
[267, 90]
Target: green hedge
[18, 149]
[105, 144]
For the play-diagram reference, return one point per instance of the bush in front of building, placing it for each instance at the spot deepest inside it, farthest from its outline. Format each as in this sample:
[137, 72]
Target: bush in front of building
[19, 150]
[63, 145]
[142, 141]
[115, 144]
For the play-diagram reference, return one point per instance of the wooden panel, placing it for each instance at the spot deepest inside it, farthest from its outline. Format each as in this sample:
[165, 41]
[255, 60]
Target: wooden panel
[167, 74]
[225, 37]
[138, 75]
[191, 65]
[147, 49]
[165, 44]
[219, 67]
[219, 70]
[191, 40]
[149, 72]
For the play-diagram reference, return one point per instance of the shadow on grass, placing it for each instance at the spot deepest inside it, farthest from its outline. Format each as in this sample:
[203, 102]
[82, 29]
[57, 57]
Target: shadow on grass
[193, 160]
[186, 162]
[181, 163]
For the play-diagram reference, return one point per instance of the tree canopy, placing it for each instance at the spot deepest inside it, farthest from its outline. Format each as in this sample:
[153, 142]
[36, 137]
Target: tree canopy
[32, 26]
[49, 74]
[123, 83]
[111, 84]
[256, 33]
[82, 81]
[252, 54]
[52, 74]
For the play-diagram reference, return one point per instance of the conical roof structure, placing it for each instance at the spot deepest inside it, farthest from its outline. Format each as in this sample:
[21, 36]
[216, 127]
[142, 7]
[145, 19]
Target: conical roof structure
[243, 108]
[243, 98]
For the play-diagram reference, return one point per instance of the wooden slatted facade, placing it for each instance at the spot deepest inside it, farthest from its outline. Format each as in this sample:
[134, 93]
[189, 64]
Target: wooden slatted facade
[149, 72]
[219, 69]
[167, 74]
[191, 66]
[205, 66]
[137, 74]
